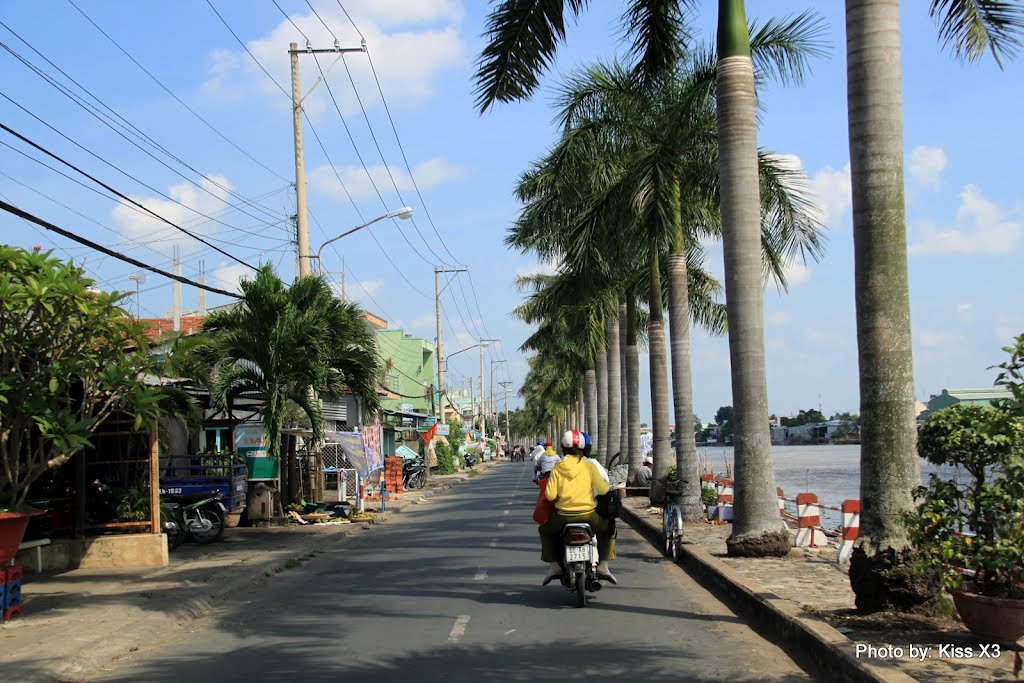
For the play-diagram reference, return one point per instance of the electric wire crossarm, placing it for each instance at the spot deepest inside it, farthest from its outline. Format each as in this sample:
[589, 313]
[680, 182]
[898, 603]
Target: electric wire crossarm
[109, 252]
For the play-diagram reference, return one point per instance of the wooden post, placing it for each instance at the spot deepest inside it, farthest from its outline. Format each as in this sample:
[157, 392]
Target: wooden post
[154, 481]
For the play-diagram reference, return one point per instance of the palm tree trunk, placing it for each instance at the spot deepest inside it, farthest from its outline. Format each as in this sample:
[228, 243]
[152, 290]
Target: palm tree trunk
[889, 466]
[663, 459]
[682, 384]
[615, 382]
[633, 387]
[600, 442]
[624, 341]
[757, 528]
[590, 401]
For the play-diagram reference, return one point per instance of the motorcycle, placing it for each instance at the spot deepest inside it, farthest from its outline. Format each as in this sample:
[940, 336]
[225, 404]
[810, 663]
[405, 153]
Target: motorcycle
[199, 516]
[413, 474]
[579, 561]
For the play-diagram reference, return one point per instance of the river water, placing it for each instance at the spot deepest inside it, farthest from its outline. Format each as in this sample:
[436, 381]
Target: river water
[830, 472]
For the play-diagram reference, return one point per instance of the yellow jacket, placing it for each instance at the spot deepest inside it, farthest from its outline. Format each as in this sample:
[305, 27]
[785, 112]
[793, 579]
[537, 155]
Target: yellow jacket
[550, 451]
[572, 485]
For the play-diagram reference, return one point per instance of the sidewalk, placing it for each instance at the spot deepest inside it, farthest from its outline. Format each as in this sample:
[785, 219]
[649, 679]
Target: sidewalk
[805, 598]
[78, 622]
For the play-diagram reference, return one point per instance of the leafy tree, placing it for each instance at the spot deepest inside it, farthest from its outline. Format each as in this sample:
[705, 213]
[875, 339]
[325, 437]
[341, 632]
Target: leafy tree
[723, 415]
[70, 357]
[846, 417]
[285, 343]
[803, 417]
[698, 426]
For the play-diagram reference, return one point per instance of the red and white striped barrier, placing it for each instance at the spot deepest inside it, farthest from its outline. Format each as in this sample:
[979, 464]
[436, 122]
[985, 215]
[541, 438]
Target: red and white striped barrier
[809, 533]
[725, 491]
[851, 527]
[782, 502]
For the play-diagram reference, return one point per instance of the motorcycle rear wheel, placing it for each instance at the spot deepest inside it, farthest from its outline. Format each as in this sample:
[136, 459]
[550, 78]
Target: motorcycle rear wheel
[216, 529]
[581, 589]
[175, 534]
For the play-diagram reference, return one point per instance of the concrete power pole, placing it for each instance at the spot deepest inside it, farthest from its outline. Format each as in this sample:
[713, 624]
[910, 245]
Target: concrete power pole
[301, 219]
[440, 350]
[177, 290]
[508, 432]
[202, 292]
[494, 406]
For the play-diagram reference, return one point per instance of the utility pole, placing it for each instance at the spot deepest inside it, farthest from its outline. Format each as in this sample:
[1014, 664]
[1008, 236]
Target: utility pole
[494, 406]
[508, 432]
[437, 314]
[177, 289]
[301, 219]
[137, 278]
[202, 292]
[483, 394]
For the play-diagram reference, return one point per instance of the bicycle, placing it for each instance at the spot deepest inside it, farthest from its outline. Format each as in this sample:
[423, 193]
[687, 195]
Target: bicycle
[672, 524]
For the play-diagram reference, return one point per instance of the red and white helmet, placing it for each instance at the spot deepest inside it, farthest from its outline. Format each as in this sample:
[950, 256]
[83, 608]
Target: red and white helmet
[573, 439]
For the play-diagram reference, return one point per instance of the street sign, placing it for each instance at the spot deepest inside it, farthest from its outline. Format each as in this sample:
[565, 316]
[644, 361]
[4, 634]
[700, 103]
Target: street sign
[423, 429]
[442, 430]
[428, 420]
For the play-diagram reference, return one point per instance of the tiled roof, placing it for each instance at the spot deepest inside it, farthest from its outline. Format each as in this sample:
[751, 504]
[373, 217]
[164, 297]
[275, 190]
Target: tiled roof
[157, 327]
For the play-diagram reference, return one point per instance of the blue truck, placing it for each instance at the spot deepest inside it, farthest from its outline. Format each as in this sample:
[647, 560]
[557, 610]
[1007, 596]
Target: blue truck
[224, 472]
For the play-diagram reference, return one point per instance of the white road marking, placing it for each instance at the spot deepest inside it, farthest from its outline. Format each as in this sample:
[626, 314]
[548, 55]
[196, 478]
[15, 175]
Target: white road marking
[506, 512]
[480, 575]
[510, 631]
[494, 543]
[501, 525]
[459, 629]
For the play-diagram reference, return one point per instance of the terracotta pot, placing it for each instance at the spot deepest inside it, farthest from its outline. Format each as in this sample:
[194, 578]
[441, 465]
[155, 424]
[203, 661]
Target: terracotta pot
[12, 530]
[997, 620]
[231, 519]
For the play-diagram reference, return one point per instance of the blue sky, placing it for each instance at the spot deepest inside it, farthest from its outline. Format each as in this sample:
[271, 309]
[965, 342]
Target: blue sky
[965, 205]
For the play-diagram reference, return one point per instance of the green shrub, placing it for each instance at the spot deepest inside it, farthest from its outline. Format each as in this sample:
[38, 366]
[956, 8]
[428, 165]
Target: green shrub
[445, 459]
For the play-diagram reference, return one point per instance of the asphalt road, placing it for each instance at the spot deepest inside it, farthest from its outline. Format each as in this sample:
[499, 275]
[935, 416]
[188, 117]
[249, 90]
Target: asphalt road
[451, 592]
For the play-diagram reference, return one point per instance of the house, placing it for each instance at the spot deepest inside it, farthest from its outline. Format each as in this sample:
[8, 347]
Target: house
[409, 363]
[974, 397]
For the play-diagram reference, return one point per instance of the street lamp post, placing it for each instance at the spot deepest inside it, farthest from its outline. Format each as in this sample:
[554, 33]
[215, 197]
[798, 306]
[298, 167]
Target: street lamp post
[404, 213]
[494, 406]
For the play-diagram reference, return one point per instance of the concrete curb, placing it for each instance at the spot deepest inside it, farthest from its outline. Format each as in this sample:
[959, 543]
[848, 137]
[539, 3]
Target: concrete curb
[796, 630]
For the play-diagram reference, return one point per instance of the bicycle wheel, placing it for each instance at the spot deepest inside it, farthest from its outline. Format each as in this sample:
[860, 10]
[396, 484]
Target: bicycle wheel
[677, 537]
[666, 531]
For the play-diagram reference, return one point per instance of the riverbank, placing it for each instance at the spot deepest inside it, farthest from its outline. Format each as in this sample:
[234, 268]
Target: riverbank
[808, 591]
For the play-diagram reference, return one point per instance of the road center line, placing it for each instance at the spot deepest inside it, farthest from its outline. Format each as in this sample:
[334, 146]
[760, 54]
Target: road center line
[494, 543]
[480, 575]
[506, 512]
[501, 525]
[459, 629]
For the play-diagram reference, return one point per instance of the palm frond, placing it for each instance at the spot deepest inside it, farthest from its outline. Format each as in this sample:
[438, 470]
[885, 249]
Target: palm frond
[972, 27]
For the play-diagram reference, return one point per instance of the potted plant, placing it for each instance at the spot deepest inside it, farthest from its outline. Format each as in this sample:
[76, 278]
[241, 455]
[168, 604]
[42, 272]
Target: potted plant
[70, 357]
[709, 497]
[969, 527]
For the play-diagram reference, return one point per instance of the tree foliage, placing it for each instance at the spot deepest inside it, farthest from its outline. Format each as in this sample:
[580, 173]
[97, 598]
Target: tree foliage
[70, 357]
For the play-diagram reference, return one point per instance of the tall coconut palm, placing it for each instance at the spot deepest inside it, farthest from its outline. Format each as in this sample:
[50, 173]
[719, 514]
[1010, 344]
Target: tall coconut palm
[279, 342]
[880, 573]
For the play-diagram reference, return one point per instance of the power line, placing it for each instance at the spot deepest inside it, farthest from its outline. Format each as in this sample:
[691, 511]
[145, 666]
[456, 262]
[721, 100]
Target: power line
[245, 47]
[169, 92]
[109, 252]
[121, 122]
[119, 194]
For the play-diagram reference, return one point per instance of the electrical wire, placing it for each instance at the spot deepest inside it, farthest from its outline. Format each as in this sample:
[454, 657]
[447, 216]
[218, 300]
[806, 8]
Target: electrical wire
[119, 194]
[124, 123]
[178, 99]
[245, 47]
[109, 252]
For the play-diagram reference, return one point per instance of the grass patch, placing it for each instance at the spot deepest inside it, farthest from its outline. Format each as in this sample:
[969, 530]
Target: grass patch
[472, 473]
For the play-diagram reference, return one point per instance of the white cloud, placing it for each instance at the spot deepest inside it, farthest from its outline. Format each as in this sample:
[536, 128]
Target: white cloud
[358, 182]
[796, 273]
[229, 275]
[822, 337]
[776, 344]
[1008, 326]
[965, 311]
[936, 339]
[779, 318]
[926, 165]
[829, 189]
[980, 227]
[188, 209]
[411, 42]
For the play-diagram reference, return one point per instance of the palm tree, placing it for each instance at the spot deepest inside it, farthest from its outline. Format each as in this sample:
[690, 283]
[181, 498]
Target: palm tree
[890, 468]
[285, 343]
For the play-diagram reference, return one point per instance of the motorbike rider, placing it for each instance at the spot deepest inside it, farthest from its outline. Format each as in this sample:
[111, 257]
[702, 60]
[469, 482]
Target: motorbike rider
[572, 485]
[545, 462]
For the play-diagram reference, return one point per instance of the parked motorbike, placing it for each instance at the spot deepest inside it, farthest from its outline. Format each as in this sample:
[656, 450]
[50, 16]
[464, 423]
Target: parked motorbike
[579, 561]
[414, 474]
[199, 516]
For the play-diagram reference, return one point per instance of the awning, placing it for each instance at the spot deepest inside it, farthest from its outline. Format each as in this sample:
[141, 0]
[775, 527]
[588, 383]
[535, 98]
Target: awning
[406, 452]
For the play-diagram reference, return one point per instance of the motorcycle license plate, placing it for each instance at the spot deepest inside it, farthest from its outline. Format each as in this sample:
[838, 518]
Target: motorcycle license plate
[577, 553]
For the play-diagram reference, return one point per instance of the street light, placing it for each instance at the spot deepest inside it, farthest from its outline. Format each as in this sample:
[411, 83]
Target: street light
[404, 213]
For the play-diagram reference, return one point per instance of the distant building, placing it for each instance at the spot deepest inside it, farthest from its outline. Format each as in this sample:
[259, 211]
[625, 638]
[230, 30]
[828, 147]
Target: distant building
[973, 397]
[410, 370]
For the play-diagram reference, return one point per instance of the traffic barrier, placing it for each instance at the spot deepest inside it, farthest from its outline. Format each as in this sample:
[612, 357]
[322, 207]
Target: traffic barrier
[851, 527]
[725, 491]
[809, 533]
[782, 502]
